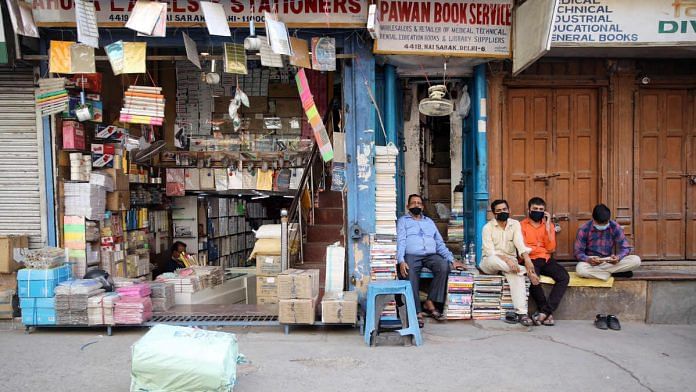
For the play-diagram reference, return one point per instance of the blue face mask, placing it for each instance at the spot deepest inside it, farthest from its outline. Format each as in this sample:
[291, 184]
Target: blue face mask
[601, 227]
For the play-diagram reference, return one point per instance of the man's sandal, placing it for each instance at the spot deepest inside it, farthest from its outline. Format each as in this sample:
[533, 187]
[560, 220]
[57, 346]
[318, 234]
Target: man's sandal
[421, 321]
[525, 320]
[549, 322]
[436, 315]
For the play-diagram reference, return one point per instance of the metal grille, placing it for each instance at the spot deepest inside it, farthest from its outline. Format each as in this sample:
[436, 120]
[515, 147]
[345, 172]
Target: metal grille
[215, 320]
[21, 156]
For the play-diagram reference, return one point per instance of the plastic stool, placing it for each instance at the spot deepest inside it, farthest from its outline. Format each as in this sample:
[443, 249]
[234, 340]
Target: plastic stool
[372, 311]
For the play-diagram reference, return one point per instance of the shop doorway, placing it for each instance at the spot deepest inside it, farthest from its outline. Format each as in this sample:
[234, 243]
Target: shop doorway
[665, 172]
[550, 150]
[436, 169]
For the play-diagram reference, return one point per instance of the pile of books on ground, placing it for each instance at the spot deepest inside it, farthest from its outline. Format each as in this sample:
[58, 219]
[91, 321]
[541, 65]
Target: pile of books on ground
[72, 298]
[134, 306]
[455, 226]
[506, 297]
[486, 299]
[460, 287]
[143, 105]
[100, 309]
[162, 296]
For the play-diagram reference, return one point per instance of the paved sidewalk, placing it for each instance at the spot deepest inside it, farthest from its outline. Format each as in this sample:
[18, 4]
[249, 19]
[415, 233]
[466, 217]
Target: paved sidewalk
[487, 356]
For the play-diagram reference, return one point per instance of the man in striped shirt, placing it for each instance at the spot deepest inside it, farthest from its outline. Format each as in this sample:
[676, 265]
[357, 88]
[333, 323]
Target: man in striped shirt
[602, 249]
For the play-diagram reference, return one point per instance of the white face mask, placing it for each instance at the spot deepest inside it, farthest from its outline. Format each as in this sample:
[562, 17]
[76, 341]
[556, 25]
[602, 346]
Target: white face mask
[601, 227]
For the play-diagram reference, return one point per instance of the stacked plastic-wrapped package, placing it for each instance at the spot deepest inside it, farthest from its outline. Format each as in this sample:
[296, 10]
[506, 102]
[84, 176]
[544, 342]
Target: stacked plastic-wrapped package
[162, 296]
[100, 309]
[72, 298]
[134, 306]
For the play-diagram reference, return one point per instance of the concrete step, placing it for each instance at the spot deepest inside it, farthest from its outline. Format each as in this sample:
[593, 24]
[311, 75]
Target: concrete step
[328, 216]
[330, 199]
[324, 233]
[660, 297]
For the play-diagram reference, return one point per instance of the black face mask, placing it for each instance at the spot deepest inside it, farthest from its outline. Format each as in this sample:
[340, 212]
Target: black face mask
[415, 210]
[502, 216]
[536, 216]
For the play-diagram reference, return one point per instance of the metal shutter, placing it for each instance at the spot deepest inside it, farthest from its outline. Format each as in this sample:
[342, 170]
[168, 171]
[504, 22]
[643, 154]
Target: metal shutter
[21, 157]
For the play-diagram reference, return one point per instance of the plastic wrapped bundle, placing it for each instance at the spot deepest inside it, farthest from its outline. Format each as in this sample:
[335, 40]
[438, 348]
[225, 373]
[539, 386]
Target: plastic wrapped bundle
[132, 310]
[170, 358]
[162, 296]
[100, 309]
[136, 290]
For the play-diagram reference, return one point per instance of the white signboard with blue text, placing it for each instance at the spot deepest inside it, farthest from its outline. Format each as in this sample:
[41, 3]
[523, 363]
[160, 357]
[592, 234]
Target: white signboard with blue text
[624, 23]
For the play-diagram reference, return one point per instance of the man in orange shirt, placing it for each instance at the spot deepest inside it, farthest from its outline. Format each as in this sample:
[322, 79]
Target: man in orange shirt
[540, 235]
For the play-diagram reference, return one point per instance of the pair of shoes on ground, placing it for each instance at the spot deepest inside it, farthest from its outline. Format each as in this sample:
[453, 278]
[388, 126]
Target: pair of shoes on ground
[514, 318]
[608, 321]
[548, 320]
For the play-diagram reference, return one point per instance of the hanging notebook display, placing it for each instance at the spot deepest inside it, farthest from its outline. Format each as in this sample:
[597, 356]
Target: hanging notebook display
[313, 116]
[51, 96]
[143, 105]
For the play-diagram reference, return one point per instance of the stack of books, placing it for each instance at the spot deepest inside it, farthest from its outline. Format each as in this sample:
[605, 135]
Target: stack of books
[455, 226]
[385, 194]
[460, 287]
[383, 242]
[486, 300]
[51, 96]
[382, 257]
[506, 297]
[143, 105]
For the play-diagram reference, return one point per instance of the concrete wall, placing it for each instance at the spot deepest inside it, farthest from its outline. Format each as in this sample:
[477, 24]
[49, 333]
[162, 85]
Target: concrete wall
[412, 143]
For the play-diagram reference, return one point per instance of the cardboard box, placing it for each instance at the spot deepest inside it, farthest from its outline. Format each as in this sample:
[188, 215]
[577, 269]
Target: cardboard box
[340, 307]
[268, 265]
[294, 283]
[103, 160]
[291, 107]
[99, 148]
[8, 281]
[11, 248]
[282, 90]
[118, 201]
[6, 303]
[267, 300]
[297, 311]
[266, 286]
[120, 179]
[73, 136]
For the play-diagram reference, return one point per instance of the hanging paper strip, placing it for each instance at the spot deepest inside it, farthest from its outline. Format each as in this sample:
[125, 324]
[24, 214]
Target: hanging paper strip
[313, 116]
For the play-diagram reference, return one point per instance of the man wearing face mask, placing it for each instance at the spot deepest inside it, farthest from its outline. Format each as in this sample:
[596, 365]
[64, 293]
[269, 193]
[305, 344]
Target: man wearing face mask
[419, 244]
[540, 235]
[502, 241]
[602, 249]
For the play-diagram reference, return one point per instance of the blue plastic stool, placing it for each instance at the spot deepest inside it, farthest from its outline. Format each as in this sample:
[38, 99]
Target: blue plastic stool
[372, 311]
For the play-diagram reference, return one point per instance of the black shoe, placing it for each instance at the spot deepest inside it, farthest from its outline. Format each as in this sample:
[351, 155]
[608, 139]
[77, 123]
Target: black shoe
[601, 322]
[627, 274]
[613, 322]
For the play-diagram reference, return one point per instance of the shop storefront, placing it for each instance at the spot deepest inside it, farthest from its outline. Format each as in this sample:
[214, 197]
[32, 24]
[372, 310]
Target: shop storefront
[605, 116]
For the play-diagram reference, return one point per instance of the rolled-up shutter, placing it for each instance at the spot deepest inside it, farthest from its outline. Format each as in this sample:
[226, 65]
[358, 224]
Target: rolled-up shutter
[21, 152]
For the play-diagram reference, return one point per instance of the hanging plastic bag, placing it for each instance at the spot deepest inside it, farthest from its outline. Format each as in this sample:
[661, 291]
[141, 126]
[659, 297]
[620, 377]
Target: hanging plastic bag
[464, 103]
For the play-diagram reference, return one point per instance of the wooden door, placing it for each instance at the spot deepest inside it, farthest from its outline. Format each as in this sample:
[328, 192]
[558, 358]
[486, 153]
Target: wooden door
[691, 182]
[662, 130]
[551, 151]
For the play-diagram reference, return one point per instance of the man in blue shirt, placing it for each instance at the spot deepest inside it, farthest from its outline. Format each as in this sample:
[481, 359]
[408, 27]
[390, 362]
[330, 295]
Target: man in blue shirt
[419, 244]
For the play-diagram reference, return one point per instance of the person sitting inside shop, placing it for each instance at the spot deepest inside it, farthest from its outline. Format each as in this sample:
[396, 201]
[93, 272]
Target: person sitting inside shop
[540, 236]
[173, 259]
[419, 244]
[602, 249]
[502, 241]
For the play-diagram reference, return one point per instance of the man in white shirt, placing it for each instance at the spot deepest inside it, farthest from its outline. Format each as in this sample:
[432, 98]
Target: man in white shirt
[502, 243]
